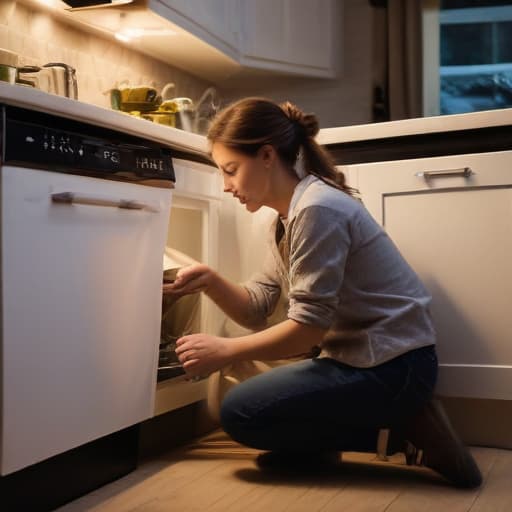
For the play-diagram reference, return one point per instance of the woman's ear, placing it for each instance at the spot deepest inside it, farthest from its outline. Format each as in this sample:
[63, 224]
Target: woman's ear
[267, 154]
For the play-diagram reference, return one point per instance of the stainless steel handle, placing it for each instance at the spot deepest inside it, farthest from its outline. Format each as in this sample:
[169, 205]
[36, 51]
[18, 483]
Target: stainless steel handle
[127, 204]
[464, 172]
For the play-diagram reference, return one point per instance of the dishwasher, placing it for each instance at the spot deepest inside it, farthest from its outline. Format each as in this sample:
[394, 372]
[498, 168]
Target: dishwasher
[84, 219]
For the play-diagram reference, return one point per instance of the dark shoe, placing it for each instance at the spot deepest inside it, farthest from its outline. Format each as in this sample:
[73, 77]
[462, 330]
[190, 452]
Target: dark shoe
[298, 462]
[433, 442]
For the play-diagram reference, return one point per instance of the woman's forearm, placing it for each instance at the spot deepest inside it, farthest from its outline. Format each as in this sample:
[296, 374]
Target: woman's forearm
[281, 341]
[233, 299]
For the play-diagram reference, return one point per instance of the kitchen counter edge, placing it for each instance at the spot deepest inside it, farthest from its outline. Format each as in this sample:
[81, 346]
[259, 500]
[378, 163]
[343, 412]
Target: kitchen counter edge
[41, 101]
[416, 126]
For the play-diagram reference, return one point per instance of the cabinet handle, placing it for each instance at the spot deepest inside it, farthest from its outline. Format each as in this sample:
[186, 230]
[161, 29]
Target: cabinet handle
[464, 172]
[127, 204]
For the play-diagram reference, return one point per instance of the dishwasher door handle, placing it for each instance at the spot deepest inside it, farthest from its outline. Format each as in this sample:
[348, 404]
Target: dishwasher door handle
[91, 200]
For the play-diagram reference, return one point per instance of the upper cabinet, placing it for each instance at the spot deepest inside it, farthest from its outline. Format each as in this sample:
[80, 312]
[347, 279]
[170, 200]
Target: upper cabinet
[281, 36]
[218, 40]
[213, 22]
[294, 36]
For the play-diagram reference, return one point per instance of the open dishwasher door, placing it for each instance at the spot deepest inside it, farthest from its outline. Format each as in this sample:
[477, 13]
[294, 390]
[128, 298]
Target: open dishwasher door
[81, 296]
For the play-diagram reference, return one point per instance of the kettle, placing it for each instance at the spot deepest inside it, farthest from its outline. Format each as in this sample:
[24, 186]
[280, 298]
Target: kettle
[55, 77]
[64, 79]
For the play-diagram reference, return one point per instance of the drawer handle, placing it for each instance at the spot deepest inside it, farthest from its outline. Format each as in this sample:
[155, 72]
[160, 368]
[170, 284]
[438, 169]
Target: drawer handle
[74, 198]
[464, 172]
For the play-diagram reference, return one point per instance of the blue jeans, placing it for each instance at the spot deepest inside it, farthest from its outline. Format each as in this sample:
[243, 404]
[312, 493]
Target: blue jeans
[322, 404]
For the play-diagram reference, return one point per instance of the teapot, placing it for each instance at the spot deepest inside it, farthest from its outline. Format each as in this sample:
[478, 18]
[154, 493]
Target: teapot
[183, 109]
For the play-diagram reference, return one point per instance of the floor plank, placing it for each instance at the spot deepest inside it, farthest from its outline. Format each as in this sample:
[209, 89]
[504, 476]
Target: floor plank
[496, 493]
[215, 474]
[421, 496]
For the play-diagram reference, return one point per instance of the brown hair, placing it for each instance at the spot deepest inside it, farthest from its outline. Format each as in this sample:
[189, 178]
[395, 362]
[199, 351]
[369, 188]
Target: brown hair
[250, 123]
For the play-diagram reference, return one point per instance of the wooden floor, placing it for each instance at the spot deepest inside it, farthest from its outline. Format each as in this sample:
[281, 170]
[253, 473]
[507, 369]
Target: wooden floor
[215, 474]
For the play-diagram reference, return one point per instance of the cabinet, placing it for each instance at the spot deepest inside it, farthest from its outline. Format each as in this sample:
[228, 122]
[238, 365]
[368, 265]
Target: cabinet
[212, 21]
[282, 36]
[194, 231]
[295, 36]
[456, 232]
[218, 40]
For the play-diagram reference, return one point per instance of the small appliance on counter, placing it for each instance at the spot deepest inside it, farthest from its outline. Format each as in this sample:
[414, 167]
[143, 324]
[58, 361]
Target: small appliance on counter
[55, 77]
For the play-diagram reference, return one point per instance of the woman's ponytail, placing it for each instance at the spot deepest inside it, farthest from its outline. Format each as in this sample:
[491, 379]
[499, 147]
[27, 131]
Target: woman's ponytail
[315, 159]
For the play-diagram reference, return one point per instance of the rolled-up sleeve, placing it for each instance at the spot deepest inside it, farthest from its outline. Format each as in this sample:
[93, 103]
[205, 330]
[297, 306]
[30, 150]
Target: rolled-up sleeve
[319, 245]
[264, 290]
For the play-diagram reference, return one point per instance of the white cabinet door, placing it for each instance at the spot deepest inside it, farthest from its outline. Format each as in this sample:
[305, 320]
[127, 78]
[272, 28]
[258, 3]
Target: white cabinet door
[295, 36]
[456, 232]
[283, 36]
[263, 30]
[81, 306]
[211, 21]
[311, 33]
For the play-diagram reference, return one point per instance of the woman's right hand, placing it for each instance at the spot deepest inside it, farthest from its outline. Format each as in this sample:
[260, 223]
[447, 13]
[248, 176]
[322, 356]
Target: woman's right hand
[191, 279]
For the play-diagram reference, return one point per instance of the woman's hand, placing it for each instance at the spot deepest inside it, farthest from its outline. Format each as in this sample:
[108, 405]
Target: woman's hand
[191, 279]
[201, 354]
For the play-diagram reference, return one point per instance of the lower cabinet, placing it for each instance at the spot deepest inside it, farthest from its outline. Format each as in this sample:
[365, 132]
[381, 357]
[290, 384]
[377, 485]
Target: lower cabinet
[451, 218]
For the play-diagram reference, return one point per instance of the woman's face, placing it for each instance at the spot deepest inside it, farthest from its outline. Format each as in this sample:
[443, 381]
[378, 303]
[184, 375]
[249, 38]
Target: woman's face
[248, 178]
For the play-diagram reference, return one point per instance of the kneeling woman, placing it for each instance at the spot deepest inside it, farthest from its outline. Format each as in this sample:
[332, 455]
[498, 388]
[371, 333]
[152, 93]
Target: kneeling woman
[354, 302]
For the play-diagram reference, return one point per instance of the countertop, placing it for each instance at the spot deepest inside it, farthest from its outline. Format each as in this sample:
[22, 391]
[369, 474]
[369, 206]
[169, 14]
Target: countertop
[417, 126]
[38, 100]
[29, 98]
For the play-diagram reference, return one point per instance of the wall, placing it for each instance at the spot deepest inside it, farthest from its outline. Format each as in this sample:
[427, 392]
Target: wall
[39, 38]
[342, 101]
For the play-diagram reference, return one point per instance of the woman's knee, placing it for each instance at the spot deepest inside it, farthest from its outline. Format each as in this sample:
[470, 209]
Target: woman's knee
[232, 411]
[238, 420]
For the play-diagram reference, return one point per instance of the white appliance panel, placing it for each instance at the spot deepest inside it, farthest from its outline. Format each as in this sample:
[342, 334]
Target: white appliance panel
[81, 306]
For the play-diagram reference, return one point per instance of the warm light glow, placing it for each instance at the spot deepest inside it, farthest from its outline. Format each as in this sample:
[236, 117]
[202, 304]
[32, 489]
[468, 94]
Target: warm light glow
[120, 36]
[134, 32]
[49, 3]
[128, 34]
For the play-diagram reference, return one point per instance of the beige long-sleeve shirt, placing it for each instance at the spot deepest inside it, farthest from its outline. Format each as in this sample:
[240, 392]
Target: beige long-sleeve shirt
[341, 271]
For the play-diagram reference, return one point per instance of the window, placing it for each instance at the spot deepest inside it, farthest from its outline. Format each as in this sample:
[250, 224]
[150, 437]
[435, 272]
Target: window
[474, 58]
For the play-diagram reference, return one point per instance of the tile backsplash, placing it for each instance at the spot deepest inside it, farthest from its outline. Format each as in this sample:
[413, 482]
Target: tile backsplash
[38, 38]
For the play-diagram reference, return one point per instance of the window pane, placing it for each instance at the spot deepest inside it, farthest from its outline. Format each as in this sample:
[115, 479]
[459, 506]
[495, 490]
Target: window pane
[466, 44]
[475, 55]
[504, 41]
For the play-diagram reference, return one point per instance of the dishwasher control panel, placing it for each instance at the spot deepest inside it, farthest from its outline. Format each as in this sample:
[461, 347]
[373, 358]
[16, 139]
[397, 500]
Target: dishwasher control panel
[63, 147]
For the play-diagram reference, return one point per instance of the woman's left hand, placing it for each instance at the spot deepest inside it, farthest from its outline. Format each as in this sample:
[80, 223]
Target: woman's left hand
[201, 354]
